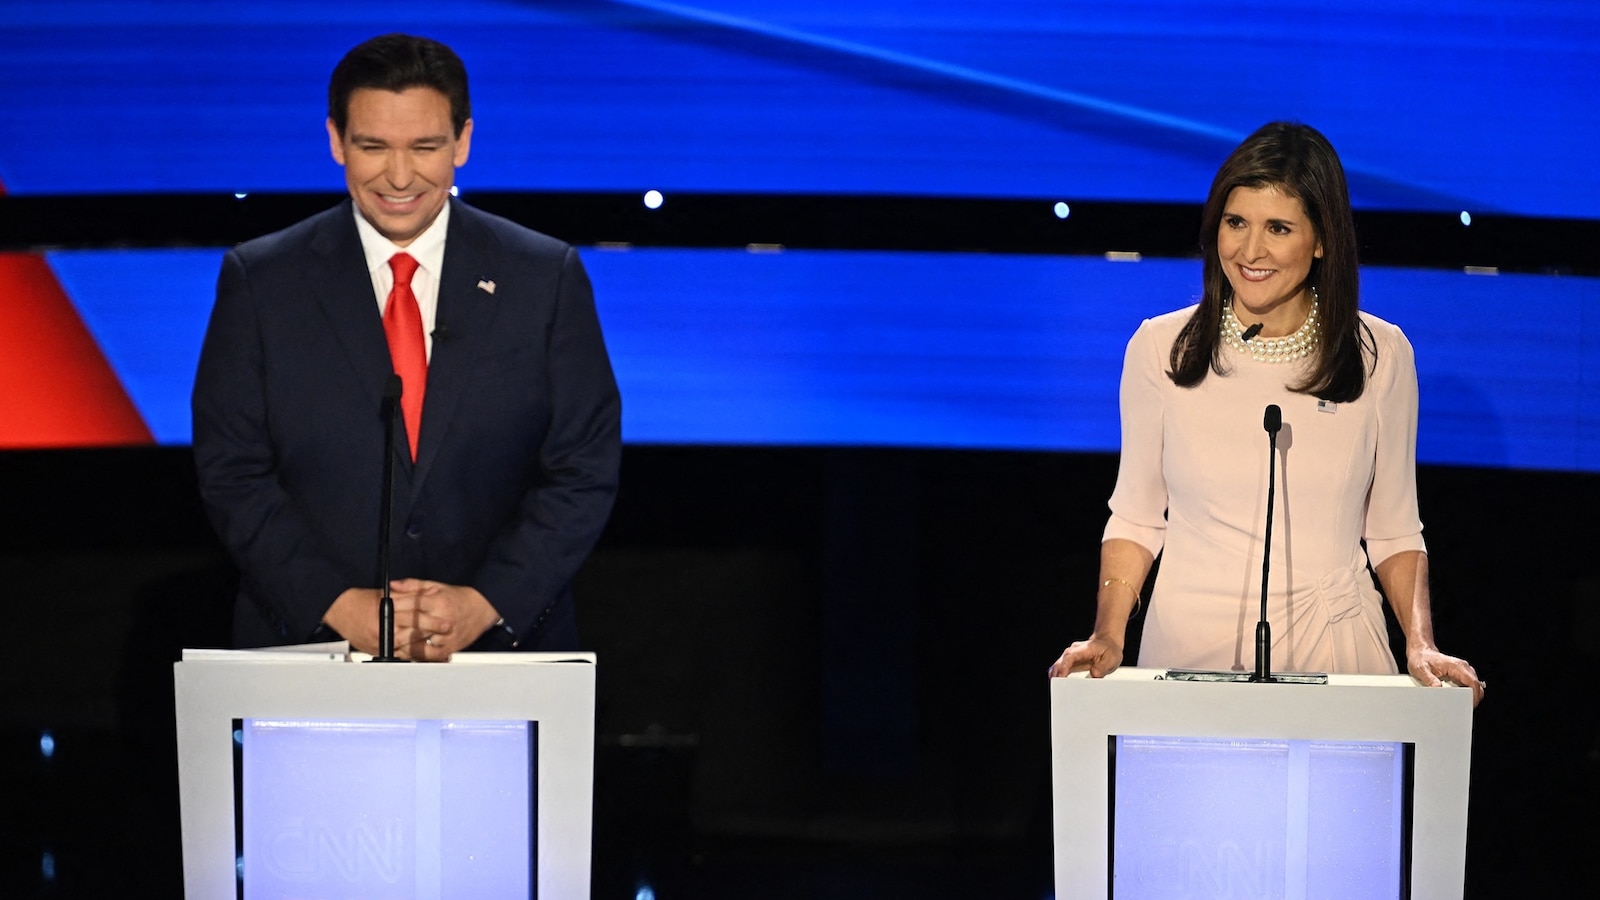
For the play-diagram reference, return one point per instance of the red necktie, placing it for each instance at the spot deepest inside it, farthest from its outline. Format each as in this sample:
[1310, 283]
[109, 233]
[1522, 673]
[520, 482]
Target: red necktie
[402, 324]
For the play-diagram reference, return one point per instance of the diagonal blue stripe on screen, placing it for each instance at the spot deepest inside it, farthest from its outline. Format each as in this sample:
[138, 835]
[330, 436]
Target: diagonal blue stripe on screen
[1137, 101]
[1103, 116]
[984, 351]
[148, 311]
[1189, 130]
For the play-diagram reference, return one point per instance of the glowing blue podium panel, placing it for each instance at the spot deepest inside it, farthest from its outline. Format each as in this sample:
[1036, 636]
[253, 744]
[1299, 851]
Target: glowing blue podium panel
[1206, 817]
[1203, 790]
[468, 779]
[391, 809]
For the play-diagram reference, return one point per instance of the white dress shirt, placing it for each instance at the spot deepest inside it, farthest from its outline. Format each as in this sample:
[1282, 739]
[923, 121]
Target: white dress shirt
[427, 250]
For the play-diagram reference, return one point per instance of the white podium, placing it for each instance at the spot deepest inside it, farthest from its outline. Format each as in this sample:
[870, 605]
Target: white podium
[1346, 720]
[500, 730]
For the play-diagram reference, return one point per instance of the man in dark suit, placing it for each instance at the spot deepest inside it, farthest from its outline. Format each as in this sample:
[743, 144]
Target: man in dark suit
[506, 459]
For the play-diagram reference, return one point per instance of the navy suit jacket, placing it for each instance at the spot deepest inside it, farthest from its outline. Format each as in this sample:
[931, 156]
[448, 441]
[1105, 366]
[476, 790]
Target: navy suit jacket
[520, 440]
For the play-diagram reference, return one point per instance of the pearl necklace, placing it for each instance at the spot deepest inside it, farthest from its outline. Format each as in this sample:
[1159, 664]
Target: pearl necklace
[1274, 350]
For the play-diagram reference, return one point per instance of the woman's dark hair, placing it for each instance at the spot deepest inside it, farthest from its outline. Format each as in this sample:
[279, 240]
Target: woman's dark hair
[1297, 160]
[395, 62]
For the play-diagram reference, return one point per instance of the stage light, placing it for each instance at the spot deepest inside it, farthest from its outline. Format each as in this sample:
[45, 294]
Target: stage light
[47, 866]
[47, 744]
[1466, 217]
[455, 190]
[653, 199]
[240, 195]
[1062, 210]
[645, 892]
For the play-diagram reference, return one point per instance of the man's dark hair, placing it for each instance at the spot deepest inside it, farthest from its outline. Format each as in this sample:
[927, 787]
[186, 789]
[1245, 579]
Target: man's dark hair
[395, 62]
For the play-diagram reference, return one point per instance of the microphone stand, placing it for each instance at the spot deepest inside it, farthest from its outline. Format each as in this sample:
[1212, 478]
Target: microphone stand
[1271, 421]
[391, 402]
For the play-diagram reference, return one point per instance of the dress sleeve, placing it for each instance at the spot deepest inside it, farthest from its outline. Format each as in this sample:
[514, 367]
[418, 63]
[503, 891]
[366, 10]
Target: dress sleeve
[1139, 501]
[1392, 524]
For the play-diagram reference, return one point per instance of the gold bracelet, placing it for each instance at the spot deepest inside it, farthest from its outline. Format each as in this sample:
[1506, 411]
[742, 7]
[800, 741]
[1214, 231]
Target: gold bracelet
[1138, 596]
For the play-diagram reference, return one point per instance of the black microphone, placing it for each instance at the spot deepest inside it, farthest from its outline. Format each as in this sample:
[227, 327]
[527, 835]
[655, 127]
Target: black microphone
[391, 405]
[1249, 333]
[1272, 421]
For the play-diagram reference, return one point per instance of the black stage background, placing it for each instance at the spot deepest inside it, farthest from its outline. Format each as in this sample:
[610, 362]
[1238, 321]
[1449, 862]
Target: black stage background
[822, 670]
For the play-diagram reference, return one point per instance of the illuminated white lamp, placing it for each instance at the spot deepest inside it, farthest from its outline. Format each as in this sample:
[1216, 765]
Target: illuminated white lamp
[1123, 256]
[1466, 217]
[1062, 209]
[455, 190]
[47, 744]
[645, 892]
[653, 199]
[240, 195]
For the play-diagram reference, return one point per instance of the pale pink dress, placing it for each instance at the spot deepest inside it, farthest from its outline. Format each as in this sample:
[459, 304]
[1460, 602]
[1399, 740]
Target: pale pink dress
[1346, 473]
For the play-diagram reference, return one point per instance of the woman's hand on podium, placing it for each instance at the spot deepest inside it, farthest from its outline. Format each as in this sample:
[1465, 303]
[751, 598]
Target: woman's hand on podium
[1434, 669]
[1123, 567]
[1100, 655]
[1404, 577]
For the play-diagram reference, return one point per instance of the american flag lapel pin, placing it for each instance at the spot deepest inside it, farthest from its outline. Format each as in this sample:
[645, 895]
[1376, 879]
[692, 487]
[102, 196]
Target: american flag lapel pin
[486, 286]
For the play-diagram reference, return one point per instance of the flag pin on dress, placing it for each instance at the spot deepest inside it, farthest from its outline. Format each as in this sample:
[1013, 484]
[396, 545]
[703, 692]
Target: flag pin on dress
[486, 286]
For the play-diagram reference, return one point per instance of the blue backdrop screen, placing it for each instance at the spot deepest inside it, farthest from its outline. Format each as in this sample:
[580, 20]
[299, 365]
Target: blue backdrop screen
[979, 351]
[1443, 106]
[1479, 105]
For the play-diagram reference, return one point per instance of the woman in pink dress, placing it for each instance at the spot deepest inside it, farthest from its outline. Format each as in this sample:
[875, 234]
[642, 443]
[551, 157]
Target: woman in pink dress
[1278, 324]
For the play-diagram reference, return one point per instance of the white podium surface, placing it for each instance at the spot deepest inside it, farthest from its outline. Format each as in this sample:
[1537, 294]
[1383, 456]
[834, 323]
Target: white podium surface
[556, 691]
[1086, 713]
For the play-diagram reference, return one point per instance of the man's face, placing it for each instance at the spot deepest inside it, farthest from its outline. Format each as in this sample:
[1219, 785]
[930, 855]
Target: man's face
[400, 155]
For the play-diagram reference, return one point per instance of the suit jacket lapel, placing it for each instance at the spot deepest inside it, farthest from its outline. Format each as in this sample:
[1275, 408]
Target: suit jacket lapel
[464, 316]
[343, 289]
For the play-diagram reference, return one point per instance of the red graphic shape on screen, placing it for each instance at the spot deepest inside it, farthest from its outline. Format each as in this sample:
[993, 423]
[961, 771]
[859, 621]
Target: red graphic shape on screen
[56, 387]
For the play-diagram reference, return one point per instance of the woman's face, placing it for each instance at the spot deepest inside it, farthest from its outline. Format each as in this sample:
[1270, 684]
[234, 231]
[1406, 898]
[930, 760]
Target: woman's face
[1265, 243]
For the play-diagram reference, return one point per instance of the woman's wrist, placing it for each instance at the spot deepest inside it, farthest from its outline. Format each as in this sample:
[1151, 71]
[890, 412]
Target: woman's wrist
[1125, 588]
